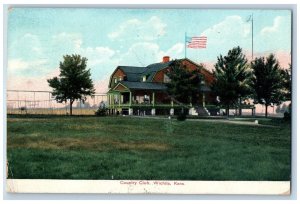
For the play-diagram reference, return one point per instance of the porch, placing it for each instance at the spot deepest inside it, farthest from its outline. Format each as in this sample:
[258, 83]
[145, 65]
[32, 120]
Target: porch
[139, 102]
[152, 99]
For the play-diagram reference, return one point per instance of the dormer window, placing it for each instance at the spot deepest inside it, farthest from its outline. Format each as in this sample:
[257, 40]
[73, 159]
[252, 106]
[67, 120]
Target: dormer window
[144, 78]
[166, 78]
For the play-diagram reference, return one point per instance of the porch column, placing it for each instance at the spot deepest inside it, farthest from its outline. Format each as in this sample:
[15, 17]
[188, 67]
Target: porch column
[130, 111]
[113, 100]
[172, 103]
[153, 111]
[119, 96]
[107, 100]
[130, 98]
[203, 99]
[109, 104]
[110, 101]
[172, 111]
[153, 99]
[191, 111]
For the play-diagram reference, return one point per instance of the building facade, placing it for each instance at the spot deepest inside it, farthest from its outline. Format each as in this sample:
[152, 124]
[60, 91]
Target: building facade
[142, 90]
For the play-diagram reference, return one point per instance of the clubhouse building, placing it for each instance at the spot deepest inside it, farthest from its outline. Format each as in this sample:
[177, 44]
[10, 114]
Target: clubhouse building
[142, 90]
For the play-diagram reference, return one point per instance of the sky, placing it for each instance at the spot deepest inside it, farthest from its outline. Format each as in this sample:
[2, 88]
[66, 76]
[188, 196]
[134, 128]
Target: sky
[39, 37]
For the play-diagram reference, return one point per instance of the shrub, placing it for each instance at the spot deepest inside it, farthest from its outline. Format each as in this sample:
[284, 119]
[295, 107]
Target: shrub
[288, 113]
[181, 116]
[102, 111]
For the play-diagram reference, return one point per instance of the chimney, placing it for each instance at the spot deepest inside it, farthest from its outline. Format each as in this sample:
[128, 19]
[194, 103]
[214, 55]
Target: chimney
[166, 59]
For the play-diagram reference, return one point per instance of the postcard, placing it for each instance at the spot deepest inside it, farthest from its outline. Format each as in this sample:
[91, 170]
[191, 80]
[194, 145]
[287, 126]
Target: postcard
[140, 100]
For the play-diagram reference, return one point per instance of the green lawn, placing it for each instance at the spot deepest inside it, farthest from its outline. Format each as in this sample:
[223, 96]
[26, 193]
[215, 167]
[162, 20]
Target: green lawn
[141, 148]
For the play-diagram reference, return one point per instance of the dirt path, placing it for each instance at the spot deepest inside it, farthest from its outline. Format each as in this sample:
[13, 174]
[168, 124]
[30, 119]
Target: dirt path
[249, 123]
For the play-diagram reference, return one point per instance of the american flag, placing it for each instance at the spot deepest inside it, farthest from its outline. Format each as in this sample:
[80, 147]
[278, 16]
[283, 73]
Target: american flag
[196, 42]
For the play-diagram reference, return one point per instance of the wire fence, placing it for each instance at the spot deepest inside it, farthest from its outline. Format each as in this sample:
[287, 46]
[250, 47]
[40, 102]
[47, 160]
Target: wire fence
[42, 102]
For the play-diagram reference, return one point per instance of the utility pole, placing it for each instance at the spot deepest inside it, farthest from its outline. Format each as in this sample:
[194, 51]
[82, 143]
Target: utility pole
[185, 45]
[252, 34]
[251, 19]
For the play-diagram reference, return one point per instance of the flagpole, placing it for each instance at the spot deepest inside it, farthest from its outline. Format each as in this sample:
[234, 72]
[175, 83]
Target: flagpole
[185, 45]
[252, 35]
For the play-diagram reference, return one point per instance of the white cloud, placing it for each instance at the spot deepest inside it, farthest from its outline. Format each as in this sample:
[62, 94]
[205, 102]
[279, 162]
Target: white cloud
[70, 40]
[33, 39]
[232, 28]
[176, 51]
[137, 29]
[105, 51]
[123, 27]
[145, 53]
[100, 58]
[274, 28]
[141, 54]
[158, 26]
[21, 82]
[232, 31]
[96, 55]
[19, 65]
[27, 46]
[72, 43]
[280, 30]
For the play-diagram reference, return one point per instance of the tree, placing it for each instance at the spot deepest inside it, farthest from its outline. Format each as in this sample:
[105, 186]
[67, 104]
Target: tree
[286, 75]
[267, 82]
[184, 85]
[232, 78]
[74, 81]
[287, 83]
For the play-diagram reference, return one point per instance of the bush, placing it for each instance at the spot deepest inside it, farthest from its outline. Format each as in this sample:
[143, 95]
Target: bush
[181, 116]
[102, 111]
[288, 113]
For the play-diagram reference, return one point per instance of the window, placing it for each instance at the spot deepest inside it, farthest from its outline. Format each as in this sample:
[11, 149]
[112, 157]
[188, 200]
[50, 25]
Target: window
[144, 78]
[120, 78]
[115, 80]
[166, 79]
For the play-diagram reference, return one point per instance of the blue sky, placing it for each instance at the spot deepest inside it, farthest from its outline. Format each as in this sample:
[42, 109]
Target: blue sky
[39, 37]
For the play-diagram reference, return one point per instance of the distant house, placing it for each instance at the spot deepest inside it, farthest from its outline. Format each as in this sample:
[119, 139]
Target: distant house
[142, 90]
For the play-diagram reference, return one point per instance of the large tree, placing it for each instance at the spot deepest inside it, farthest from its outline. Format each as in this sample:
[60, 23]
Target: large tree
[74, 81]
[287, 82]
[232, 78]
[267, 82]
[184, 85]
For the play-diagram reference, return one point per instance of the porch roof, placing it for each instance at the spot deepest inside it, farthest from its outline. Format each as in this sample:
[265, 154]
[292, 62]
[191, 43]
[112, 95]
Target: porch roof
[144, 85]
[130, 85]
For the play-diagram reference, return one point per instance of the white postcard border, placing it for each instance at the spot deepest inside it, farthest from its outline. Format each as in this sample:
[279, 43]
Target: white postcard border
[148, 186]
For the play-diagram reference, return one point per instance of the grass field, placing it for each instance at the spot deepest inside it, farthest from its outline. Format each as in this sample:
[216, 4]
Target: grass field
[141, 148]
